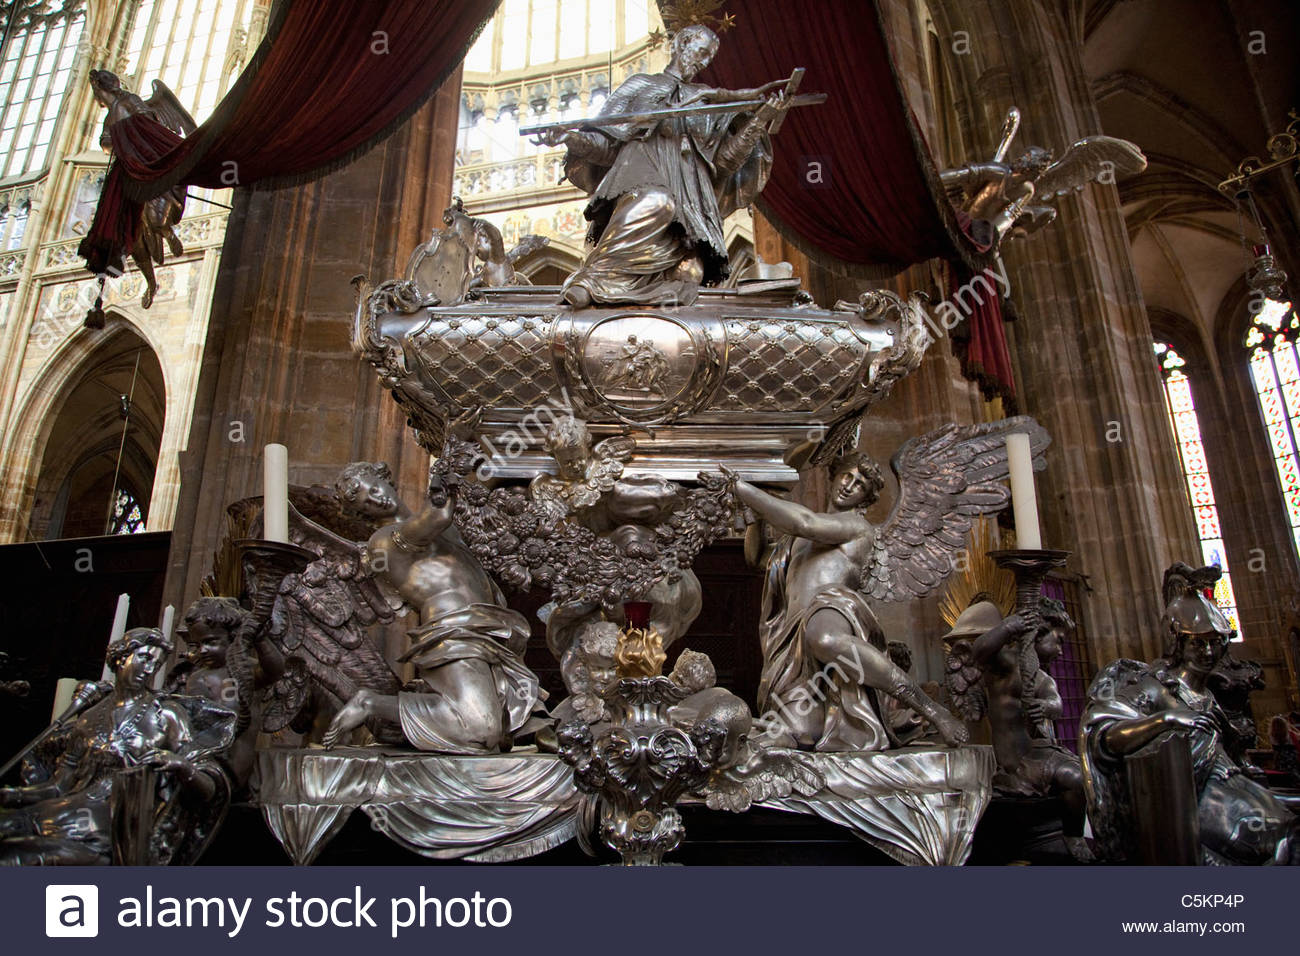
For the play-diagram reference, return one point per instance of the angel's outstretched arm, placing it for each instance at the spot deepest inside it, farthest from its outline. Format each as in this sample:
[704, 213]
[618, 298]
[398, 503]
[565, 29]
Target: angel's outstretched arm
[427, 526]
[972, 175]
[791, 518]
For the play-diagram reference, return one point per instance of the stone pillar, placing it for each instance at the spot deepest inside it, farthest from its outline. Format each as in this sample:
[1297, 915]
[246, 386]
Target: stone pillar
[1112, 492]
[278, 364]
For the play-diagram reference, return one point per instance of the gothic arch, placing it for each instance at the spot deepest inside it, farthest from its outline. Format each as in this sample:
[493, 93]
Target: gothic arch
[67, 415]
[551, 264]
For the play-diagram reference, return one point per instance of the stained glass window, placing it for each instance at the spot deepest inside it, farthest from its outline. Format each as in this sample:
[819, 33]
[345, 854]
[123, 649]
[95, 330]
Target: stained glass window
[35, 67]
[191, 45]
[1271, 340]
[128, 517]
[1191, 450]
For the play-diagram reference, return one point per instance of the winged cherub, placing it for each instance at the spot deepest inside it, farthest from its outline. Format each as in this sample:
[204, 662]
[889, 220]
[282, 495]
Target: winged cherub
[474, 692]
[152, 225]
[825, 663]
[1014, 197]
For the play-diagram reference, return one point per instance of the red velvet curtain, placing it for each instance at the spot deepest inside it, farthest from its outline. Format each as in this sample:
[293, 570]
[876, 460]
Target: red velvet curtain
[853, 184]
[332, 78]
[875, 199]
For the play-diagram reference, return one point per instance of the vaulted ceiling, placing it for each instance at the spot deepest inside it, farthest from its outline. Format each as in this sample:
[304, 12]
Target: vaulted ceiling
[1199, 85]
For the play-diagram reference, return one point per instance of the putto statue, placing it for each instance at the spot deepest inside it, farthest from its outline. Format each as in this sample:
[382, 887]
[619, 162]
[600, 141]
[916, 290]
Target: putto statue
[227, 661]
[1015, 197]
[122, 227]
[1030, 761]
[1134, 706]
[473, 694]
[665, 162]
[162, 749]
[824, 655]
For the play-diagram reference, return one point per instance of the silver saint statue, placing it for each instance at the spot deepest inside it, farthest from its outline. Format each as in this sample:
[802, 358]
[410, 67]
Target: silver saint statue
[661, 186]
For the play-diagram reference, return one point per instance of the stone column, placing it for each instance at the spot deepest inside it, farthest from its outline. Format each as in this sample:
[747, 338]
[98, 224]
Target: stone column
[278, 364]
[1112, 492]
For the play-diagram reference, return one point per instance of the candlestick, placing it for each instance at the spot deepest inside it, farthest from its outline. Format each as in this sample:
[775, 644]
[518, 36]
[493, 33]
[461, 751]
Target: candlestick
[119, 630]
[275, 494]
[1024, 499]
[168, 621]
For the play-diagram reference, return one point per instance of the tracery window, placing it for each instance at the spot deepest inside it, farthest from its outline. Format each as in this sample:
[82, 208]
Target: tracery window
[1271, 340]
[1191, 450]
[196, 47]
[35, 68]
[128, 517]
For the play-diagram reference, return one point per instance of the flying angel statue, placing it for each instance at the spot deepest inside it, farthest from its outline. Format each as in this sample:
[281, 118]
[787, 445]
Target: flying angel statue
[1015, 197]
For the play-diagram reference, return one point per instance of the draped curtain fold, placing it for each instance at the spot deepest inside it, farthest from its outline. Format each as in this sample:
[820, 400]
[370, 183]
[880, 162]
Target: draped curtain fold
[330, 80]
[853, 184]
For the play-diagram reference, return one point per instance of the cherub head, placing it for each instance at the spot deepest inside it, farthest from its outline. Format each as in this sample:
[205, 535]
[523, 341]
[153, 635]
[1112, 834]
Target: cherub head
[1032, 162]
[693, 49]
[209, 627]
[856, 482]
[569, 443]
[1056, 625]
[105, 86]
[138, 655]
[367, 488]
[694, 672]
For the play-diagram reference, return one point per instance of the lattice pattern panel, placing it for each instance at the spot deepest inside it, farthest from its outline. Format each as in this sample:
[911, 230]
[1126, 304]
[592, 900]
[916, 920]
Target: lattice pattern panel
[499, 361]
[788, 364]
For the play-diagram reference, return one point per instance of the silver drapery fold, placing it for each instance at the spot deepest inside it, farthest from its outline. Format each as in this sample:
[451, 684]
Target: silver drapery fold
[482, 808]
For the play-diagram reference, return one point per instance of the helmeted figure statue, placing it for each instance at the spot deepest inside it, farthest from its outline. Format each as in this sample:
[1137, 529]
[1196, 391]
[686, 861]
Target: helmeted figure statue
[67, 817]
[660, 189]
[1133, 705]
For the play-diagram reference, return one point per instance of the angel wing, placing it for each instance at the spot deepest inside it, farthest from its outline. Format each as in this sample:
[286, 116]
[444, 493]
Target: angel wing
[169, 110]
[945, 480]
[321, 617]
[766, 773]
[1086, 161]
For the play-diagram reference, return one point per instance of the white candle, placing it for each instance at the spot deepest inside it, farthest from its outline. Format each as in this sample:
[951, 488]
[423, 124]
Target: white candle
[168, 622]
[275, 494]
[63, 694]
[1024, 500]
[119, 629]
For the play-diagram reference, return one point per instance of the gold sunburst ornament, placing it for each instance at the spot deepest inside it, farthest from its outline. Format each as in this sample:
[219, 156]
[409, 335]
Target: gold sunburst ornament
[978, 577]
[684, 13]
